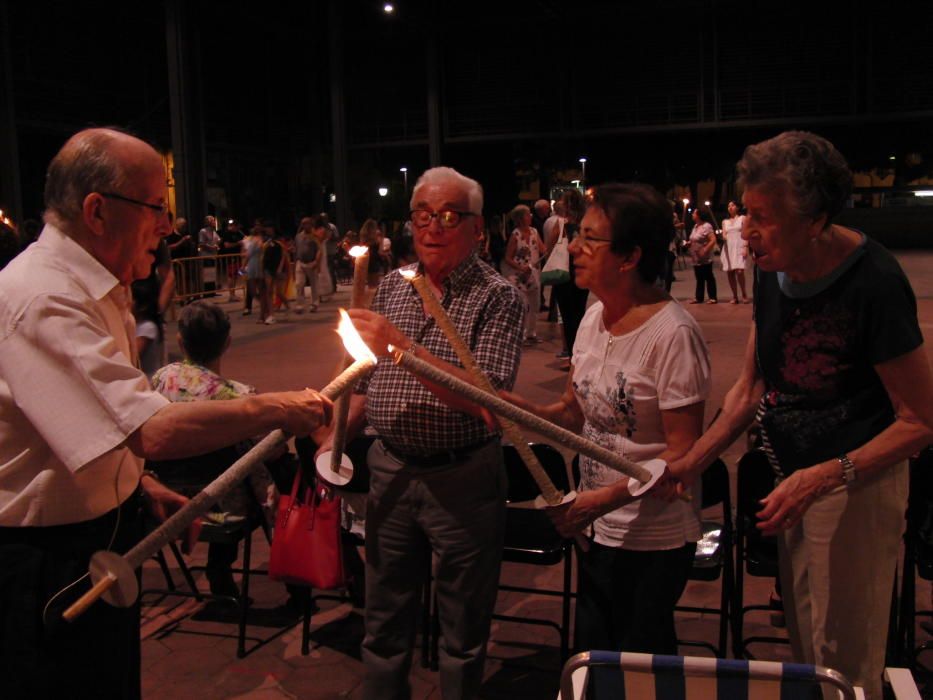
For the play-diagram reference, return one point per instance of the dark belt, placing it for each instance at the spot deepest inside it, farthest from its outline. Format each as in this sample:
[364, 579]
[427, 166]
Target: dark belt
[439, 458]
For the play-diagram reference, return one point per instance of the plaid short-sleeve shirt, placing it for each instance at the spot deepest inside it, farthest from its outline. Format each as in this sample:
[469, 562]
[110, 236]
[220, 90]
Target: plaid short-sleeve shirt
[487, 311]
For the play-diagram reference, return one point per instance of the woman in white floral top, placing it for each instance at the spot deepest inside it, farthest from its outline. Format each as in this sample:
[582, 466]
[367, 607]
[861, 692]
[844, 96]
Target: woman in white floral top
[522, 267]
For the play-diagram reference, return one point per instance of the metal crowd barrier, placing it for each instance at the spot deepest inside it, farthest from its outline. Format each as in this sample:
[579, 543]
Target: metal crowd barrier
[202, 276]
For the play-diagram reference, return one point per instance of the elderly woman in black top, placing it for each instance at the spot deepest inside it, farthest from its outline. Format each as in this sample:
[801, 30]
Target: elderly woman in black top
[837, 378]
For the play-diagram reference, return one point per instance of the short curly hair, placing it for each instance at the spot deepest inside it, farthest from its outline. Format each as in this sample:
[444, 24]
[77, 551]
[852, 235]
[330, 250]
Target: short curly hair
[814, 172]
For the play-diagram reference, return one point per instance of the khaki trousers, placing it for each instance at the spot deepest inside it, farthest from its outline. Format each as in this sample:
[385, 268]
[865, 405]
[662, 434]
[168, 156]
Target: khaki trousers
[837, 572]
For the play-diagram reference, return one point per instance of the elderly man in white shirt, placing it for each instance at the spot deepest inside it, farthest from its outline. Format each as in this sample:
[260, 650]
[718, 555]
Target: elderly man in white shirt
[78, 418]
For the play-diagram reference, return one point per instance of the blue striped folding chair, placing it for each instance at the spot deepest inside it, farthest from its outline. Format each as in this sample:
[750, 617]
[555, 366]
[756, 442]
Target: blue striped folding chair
[604, 675]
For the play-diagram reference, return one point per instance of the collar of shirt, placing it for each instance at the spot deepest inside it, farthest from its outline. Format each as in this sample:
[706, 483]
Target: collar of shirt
[96, 278]
[461, 277]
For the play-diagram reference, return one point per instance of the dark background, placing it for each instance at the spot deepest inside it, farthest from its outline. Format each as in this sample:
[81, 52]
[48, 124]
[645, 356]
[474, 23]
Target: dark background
[667, 92]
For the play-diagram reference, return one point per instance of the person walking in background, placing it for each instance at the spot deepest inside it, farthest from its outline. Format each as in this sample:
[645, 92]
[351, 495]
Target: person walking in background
[208, 247]
[734, 252]
[308, 254]
[571, 299]
[522, 260]
[331, 245]
[369, 237]
[497, 241]
[702, 242]
[252, 261]
[231, 246]
[325, 272]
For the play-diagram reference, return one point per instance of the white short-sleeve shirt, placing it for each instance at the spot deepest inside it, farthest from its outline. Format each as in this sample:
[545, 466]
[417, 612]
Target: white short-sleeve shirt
[70, 394]
[622, 383]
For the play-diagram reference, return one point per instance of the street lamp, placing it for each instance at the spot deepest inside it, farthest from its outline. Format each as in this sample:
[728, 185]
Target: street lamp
[583, 174]
[388, 8]
[404, 171]
[383, 191]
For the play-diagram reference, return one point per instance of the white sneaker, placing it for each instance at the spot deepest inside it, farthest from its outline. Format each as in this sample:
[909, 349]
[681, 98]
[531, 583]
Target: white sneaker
[269, 321]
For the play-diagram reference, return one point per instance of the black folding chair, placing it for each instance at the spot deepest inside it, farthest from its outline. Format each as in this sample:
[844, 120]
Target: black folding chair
[713, 558]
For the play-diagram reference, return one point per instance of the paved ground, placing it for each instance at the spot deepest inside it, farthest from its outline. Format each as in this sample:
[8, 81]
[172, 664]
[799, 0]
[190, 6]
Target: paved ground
[524, 660]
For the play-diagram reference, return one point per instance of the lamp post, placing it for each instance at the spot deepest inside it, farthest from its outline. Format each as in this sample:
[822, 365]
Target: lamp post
[583, 173]
[404, 171]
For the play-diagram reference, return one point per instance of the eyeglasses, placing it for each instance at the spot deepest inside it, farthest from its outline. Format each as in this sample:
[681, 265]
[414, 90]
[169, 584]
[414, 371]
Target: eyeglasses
[448, 218]
[162, 209]
[587, 242]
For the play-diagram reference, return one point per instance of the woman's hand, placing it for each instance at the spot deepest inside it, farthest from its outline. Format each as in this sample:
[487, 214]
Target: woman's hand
[785, 506]
[683, 471]
[666, 488]
[574, 518]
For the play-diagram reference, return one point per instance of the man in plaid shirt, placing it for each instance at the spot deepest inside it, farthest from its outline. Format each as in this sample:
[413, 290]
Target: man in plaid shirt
[437, 478]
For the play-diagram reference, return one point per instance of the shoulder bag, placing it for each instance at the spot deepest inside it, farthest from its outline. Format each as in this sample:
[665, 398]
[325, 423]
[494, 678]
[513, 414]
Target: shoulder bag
[306, 548]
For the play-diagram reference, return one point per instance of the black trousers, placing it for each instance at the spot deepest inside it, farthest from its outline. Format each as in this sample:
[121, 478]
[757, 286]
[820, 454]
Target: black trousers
[571, 300]
[626, 598]
[41, 655]
[705, 276]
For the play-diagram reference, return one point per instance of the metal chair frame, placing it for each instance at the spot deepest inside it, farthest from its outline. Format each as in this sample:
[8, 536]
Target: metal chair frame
[669, 672]
[549, 548]
[716, 491]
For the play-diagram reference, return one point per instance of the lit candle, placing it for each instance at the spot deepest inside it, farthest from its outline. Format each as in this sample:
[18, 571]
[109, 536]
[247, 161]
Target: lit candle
[551, 495]
[360, 255]
[108, 568]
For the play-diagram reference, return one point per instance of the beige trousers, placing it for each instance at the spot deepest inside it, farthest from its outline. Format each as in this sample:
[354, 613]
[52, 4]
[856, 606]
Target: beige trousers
[837, 572]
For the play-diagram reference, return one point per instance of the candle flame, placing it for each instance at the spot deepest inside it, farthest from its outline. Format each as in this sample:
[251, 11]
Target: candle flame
[358, 250]
[352, 341]
[408, 274]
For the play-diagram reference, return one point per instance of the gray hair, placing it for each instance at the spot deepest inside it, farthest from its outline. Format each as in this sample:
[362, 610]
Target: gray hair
[444, 175]
[543, 205]
[88, 162]
[814, 172]
[518, 213]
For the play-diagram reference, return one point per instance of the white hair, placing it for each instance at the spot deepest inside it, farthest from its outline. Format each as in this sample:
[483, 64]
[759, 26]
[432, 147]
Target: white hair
[444, 175]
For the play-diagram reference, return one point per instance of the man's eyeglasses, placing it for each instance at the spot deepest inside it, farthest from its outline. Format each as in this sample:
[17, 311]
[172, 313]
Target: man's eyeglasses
[161, 209]
[448, 218]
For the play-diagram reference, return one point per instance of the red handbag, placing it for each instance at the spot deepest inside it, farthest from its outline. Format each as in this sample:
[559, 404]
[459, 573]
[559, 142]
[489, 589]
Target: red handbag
[306, 547]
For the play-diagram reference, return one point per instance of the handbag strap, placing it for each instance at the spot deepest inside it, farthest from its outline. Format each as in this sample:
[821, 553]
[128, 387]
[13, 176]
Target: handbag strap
[308, 494]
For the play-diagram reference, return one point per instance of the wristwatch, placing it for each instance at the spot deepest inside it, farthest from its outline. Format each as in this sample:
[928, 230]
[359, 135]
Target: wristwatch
[849, 474]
